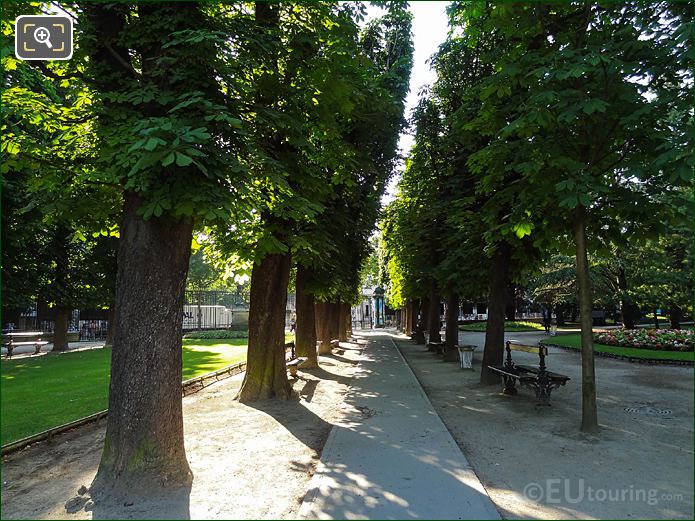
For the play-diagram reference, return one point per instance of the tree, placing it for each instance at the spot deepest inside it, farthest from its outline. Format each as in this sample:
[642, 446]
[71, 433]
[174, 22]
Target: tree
[167, 134]
[583, 99]
[297, 70]
[58, 228]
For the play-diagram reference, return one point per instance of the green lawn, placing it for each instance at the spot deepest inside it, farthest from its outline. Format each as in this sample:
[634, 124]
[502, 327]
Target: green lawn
[575, 339]
[515, 326]
[41, 392]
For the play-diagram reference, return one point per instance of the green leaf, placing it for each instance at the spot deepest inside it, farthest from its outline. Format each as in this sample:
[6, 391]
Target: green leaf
[168, 159]
[153, 142]
[182, 159]
[569, 202]
[594, 105]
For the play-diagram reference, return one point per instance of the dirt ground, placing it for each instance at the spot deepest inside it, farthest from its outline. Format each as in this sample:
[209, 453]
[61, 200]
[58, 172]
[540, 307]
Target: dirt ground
[248, 462]
[533, 460]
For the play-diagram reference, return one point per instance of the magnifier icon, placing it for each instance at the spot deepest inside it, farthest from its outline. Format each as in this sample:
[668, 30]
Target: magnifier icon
[43, 35]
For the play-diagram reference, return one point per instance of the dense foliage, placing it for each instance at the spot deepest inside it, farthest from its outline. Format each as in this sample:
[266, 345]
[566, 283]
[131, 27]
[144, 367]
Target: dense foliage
[554, 149]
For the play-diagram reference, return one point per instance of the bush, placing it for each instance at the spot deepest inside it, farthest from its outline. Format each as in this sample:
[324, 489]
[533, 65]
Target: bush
[216, 334]
[657, 339]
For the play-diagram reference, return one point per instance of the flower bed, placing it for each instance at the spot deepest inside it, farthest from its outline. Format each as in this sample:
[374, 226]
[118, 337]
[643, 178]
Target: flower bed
[657, 339]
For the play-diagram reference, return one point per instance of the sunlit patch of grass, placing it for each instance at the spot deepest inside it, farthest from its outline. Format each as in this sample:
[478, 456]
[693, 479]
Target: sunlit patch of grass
[512, 326]
[42, 392]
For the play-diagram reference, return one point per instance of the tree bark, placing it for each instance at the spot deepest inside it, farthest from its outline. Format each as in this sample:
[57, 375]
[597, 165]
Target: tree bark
[143, 447]
[419, 318]
[451, 337]
[412, 316]
[589, 412]
[61, 312]
[266, 372]
[493, 353]
[510, 308]
[627, 308]
[111, 321]
[407, 322]
[674, 317]
[560, 314]
[323, 327]
[424, 314]
[334, 320]
[342, 322]
[434, 318]
[348, 320]
[305, 334]
[61, 319]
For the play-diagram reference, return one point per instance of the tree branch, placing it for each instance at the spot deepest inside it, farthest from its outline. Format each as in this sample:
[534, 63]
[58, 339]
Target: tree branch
[120, 60]
[51, 74]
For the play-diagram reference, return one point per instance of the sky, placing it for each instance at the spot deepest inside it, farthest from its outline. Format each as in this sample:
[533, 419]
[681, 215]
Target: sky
[429, 30]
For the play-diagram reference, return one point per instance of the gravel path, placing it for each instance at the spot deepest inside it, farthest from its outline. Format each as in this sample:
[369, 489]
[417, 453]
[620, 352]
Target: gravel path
[533, 460]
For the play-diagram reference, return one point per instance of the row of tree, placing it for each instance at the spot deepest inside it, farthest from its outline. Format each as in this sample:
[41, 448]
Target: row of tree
[551, 129]
[266, 130]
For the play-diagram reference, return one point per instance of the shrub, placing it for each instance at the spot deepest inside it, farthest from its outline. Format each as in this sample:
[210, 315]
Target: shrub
[217, 334]
[657, 339]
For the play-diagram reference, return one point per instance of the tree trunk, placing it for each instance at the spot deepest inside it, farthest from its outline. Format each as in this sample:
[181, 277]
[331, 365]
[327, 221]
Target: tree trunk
[110, 326]
[493, 353]
[323, 327]
[334, 320]
[656, 319]
[560, 314]
[348, 320]
[627, 308]
[412, 313]
[305, 334]
[674, 317]
[510, 308]
[434, 318]
[419, 318]
[452, 316]
[451, 337]
[589, 413]
[143, 447]
[424, 314]
[342, 322]
[266, 372]
[407, 326]
[61, 319]
[199, 311]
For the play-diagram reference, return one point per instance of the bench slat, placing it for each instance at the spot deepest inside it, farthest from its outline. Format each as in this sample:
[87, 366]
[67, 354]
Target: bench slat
[507, 372]
[550, 374]
[528, 349]
[41, 342]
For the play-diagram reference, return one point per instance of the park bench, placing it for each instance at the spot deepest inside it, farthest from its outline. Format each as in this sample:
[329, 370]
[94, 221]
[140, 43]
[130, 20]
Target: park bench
[293, 361]
[33, 338]
[541, 380]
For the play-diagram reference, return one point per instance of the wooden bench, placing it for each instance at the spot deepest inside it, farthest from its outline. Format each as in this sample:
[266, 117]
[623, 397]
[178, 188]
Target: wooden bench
[541, 380]
[10, 343]
[293, 361]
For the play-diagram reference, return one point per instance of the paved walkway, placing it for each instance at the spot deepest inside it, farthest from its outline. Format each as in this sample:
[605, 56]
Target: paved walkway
[391, 457]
